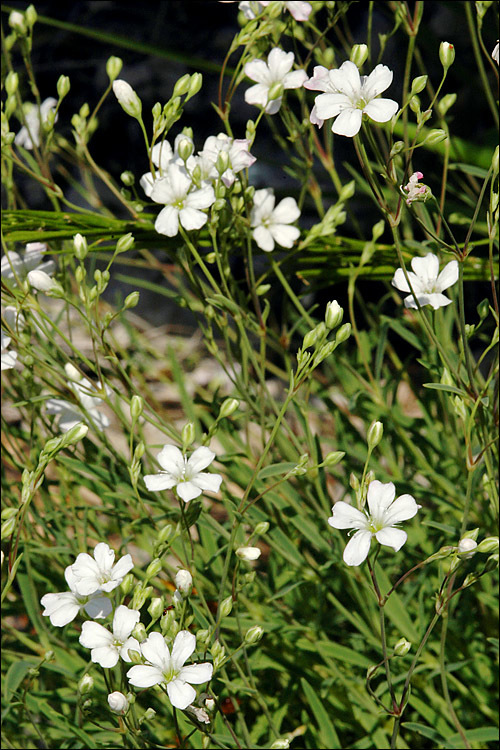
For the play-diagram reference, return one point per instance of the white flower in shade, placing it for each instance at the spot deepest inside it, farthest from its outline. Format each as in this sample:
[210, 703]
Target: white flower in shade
[165, 667]
[19, 266]
[8, 358]
[271, 224]
[380, 522]
[495, 54]
[183, 204]
[99, 572]
[186, 475]
[88, 410]
[248, 553]
[35, 118]
[349, 96]
[269, 76]
[162, 156]
[62, 608]
[106, 647]
[118, 703]
[238, 155]
[426, 281]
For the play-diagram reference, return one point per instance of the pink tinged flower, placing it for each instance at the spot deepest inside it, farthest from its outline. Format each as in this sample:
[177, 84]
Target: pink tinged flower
[267, 75]
[29, 135]
[62, 608]
[299, 10]
[426, 281]
[182, 203]
[349, 96]
[101, 571]
[271, 224]
[165, 667]
[106, 647]
[238, 155]
[380, 522]
[186, 475]
[416, 190]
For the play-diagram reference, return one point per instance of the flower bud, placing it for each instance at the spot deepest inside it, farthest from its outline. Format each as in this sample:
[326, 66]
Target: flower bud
[312, 336]
[8, 513]
[31, 16]
[17, 22]
[128, 178]
[354, 482]
[248, 553]
[488, 545]
[153, 568]
[262, 289]
[118, 703]
[185, 149]
[113, 67]
[494, 161]
[187, 435]
[194, 85]
[446, 54]
[466, 548]
[182, 85]
[202, 637]
[8, 527]
[75, 434]
[125, 242]
[418, 84]
[375, 432]
[436, 136]
[127, 98]
[41, 281]
[140, 596]
[343, 333]
[228, 407]
[156, 607]
[445, 103]
[149, 714]
[140, 633]
[402, 647]
[333, 314]
[86, 684]
[226, 606]
[184, 582]
[11, 82]
[136, 407]
[254, 635]
[80, 245]
[280, 744]
[165, 533]
[63, 86]
[333, 458]
[131, 300]
[359, 54]
[261, 528]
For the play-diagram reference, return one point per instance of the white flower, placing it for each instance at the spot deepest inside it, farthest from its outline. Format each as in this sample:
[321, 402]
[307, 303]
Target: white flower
[30, 133]
[41, 281]
[495, 54]
[184, 582]
[466, 547]
[72, 414]
[108, 647]
[384, 513]
[8, 358]
[162, 156]
[270, 224]
[238, 155]
[270, 75]
[182, 202]
[62, 608]
[165, 667]
[248, 553]
[416, 190]
[101, 571]
[348, 96]
[426, 281]
[185, 475]
[298, 9]
[118, 703]
[15, 266]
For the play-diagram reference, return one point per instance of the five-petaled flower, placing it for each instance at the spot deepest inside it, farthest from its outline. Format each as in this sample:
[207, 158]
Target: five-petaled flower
[272, 78]
[271, 224]
[183, 204]
[99, 572]
[380, 522]
[348, 96]
[165, 667]
[426, 281]
[63, 607]
[186, 475]
[107, 647]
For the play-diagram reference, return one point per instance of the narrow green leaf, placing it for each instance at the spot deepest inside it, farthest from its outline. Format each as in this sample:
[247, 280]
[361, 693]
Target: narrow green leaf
[326, 730]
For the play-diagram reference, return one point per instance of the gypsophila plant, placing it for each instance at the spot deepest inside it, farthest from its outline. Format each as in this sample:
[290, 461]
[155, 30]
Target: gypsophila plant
[250, 379]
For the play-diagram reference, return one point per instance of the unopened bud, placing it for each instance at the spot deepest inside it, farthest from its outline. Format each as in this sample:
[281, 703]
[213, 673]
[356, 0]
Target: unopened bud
[375, 432]
[194, 85]
[488, 545]
[343, 333]
[248, 553]
[128, 178]
[153, 568]
[127, 98]
[31, 16]
[75, 434]
[202, 637]
[184, 582]
[359, 54]
[261, 528]
[149, 714]
[436, 136]
[86, 684]
[280, 744]
[80, 245]
[445, 103]
[254, 634]
[11, 82]
[17, 22]
[418, 84]
[136, 407]
[131, 300]
[182, 85]
[333, 458]
[494, 161]
[228, 407]
[165, 533]
[41, 281]
[402, 647]
[333, 314]
[226, 606]
[188, 435]
[63, 86]
[156, 607]
[185, 149]
[125, 242]
[446, 54]
[113, 67]
[118, 703]
[139, 633]
[467, 548]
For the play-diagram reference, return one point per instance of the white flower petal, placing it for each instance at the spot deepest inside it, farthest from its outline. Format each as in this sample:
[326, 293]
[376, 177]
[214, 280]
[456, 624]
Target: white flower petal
[348, 122]
[345, 516]
[381, 110]
[402, 509]
[286, 211]
[188, 491]
[155, 650]
[295, 79]
[167, 221]
[143, 676]
[191, 218]
[399, 281]
[331, 105]
[426, 268]
[257, 95]
[357, 548]
[196, 674]
[171, 460]
[124, 621]
[284, 235]
[200, 459]
[391, 537]
[448, 276]
[180, 693]
[106, 656]
[379, 80]
[263, 238]
[184, 645]
[257, 70]
[158, 482]
[94, 635]
[379, 496]
[207, 482]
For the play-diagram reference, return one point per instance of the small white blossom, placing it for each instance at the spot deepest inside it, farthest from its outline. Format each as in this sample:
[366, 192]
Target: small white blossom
[183, 202]
[63, 607]
[348, 96]
[165, 667]
[107, 648]
[118, 703]
[248, 553]
[184, 582]
[186, 475]
[269, 75]
[162, 156]
[89, 408]
[252, 8]
[35, 118]
[238, 155]
[18, 266]
[99, 572]
[426, 281]
[466, 547]
[41, 281]
[380, 522]
[271, 224]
